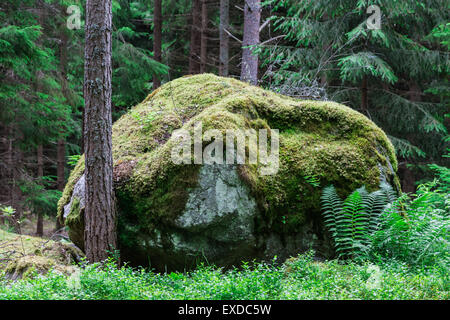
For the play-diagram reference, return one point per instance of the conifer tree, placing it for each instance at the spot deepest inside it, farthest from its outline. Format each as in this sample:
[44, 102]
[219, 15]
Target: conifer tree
[374, 70]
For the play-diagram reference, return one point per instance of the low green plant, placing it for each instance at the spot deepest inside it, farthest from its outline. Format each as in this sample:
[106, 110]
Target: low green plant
[416, 228]
[352, 222]
[301, 277]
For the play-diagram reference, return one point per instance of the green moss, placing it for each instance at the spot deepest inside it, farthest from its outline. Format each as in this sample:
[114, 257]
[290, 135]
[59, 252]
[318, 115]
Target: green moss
[76, 173]
[143, 212]
[26, 254]
[323, 139]
[75, 222]
[26, 267]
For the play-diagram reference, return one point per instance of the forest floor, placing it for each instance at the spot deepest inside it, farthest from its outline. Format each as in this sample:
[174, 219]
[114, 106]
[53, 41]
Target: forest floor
[37, 268]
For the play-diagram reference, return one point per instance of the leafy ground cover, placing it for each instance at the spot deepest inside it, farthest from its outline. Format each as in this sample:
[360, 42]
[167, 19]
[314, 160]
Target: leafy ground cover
[299, 278]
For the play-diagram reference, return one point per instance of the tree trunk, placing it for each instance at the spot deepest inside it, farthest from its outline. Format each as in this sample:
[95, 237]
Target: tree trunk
[100, 214]
[364, 98]
[157, 35]
[194, 54]
[40, 174]
[252, 17]
[16, 195]
[204, 39]
[223, 37]
[61, 147]
[60, 162]
[407, 175]
[12, 176]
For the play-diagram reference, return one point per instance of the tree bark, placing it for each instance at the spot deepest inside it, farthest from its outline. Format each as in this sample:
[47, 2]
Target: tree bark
[16, 161]
[61, 147]
[100, 214]
[364, 98]
[157, 35]
[407, 175]
[60, 160]
[194, 54]
[40, 174]
[204, 38]
[10, 162]
[252, 17]
[223, 37]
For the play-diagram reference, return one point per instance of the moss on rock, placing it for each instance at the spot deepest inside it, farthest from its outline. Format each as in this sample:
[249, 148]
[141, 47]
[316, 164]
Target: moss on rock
[321, 143]
[28, 266]
[22, 255]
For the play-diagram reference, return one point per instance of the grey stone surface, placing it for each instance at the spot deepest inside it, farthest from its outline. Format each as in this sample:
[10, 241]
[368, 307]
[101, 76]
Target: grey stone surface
[78, 192]
[220, 206]
[217, 224]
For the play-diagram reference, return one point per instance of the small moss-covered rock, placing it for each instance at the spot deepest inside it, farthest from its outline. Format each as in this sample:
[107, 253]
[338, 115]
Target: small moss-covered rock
[22, 255]
[28, 266]
[172, 215]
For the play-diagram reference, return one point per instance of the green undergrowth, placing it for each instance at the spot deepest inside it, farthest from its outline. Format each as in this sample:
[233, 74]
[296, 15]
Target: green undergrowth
[297, 278]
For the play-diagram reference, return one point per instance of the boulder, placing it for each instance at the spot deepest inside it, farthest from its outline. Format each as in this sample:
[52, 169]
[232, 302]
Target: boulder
[174, 214]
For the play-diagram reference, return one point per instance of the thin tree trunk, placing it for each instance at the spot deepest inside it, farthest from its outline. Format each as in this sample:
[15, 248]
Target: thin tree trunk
[194, 54]
[40, 148]
[10, 160]
[60, 163]
[223, 37]
[204, 39]
[407, 176]
[16, 165]
[100, 214]
[252, 17]
[157, 35]
[61, 147]
[364, 98]
[12, 175]
[40, 174]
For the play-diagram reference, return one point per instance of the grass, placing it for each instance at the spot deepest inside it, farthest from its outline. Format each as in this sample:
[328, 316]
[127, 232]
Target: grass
[298, 278]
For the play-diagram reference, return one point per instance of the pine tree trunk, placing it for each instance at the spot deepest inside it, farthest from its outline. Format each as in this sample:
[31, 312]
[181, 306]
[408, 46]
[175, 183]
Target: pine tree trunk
[40, 174]
[223, 37]
[364, 98]
[407, 175]
[61, 147]
[157, 35]
[60, 166]
[16, 165]
[60, 162]
[100, 215]
[194, 55]
[252, 17]
[11, 169]
[204, 38]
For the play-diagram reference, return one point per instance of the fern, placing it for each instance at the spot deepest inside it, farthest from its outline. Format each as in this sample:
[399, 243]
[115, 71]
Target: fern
[415, 228]
[352, 222]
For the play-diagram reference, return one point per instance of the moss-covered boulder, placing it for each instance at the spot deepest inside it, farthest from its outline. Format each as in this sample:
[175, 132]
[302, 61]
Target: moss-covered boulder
[173, 215]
